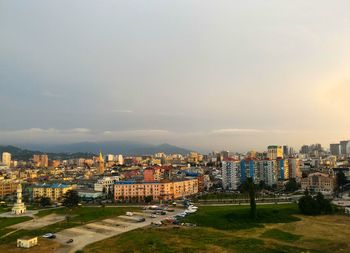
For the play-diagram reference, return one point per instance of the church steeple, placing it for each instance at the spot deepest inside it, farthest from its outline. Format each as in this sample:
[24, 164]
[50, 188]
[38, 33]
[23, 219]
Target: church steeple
[101, 168]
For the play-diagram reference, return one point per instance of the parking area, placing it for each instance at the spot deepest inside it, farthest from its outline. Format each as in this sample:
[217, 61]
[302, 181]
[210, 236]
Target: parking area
[96, 231]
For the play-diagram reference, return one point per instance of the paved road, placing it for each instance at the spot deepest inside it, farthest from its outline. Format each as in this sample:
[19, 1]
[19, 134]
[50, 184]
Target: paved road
[242, 204]
[100, 230]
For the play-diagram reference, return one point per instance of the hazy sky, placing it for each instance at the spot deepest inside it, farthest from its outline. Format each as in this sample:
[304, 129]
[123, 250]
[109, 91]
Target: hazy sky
[215, 74]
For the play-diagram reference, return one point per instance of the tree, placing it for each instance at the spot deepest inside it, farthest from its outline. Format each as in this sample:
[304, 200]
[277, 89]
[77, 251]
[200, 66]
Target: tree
[45, 201]
[292, 185]
[309, 205]
[148, 199]
[71, 199]
[341, 179]
[249, 186]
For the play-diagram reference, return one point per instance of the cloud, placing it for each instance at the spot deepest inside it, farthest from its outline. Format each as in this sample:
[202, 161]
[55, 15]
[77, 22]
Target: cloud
[139, 132]
[46, 135]
[79, 134]
[237, 131]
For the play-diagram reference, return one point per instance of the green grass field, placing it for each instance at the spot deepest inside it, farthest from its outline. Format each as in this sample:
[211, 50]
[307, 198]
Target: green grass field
[228, 229]
[237, 217]
[185, 240]
[4, 209]
[281, 235]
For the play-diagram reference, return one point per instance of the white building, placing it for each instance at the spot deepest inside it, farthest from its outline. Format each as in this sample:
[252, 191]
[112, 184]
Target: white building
[6, 158]
[267, 171]
[105, 184]
[110, 158]
[231, 175]
[120, 159]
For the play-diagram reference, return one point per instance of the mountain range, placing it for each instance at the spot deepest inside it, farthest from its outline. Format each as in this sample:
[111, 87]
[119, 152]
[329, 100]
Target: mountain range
[88, 149]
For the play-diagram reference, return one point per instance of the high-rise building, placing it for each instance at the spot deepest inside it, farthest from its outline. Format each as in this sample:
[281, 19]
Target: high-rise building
[41, 160]
[249, 170]
[283, 169]
[268, 171]
[224, 155]
[285, 151]
[294, 168]
[231, 175]
[6, 158]
[274, 152]
[110, 158]
[345, 147]
[120, 159]
[335, 149]
[305, 149]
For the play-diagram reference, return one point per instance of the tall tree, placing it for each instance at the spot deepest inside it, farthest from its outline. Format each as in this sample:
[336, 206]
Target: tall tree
[71, 199]
[45, 201]
[291, 185]
[249, 186]
[341, 179]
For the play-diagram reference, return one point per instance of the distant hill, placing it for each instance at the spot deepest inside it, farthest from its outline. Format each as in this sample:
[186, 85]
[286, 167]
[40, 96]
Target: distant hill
[113, 147]
[25, 154]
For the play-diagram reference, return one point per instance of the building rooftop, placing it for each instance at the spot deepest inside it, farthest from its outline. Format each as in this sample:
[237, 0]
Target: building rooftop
[52, 185]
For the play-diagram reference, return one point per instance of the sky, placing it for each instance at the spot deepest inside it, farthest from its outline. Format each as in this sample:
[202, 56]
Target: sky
[202, 74]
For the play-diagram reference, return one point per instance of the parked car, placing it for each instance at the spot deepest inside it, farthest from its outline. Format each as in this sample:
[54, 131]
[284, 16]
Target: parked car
[129, 214]
[141, 220]
[153, 216]
[49, 235]
[70, 241]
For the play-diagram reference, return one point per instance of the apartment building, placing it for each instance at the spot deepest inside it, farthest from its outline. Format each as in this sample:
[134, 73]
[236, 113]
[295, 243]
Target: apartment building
[53, 191]
[163, 190]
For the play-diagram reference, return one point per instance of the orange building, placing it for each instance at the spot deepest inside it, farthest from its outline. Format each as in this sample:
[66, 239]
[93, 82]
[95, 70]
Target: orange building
[41, 160]
[163, 190]
[152, 174]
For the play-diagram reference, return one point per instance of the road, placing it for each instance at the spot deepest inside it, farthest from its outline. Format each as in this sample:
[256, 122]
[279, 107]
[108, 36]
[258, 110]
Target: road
[100, 230]
[242, 204]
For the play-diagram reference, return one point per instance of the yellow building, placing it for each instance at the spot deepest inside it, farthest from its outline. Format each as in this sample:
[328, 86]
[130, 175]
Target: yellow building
[27, 242]
[274, 152]
[164, 190]
[7, 187]
[53, 191]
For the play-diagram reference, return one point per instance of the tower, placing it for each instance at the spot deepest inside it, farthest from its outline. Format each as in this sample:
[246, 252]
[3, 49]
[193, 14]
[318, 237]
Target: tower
[101, 167]
[19, 207]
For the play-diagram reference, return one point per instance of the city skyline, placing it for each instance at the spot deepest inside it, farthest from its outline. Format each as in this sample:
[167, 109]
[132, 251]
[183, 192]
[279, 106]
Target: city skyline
[200, 75]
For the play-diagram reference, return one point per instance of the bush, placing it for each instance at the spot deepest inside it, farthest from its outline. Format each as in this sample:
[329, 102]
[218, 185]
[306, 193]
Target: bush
[317, 205]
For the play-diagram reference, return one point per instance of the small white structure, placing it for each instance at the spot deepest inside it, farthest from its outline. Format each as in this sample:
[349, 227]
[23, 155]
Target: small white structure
[27, 242]
[19, 208]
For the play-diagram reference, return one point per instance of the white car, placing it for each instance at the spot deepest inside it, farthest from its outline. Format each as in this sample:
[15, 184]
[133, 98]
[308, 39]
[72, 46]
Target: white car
[153, 216]
[48, 235]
